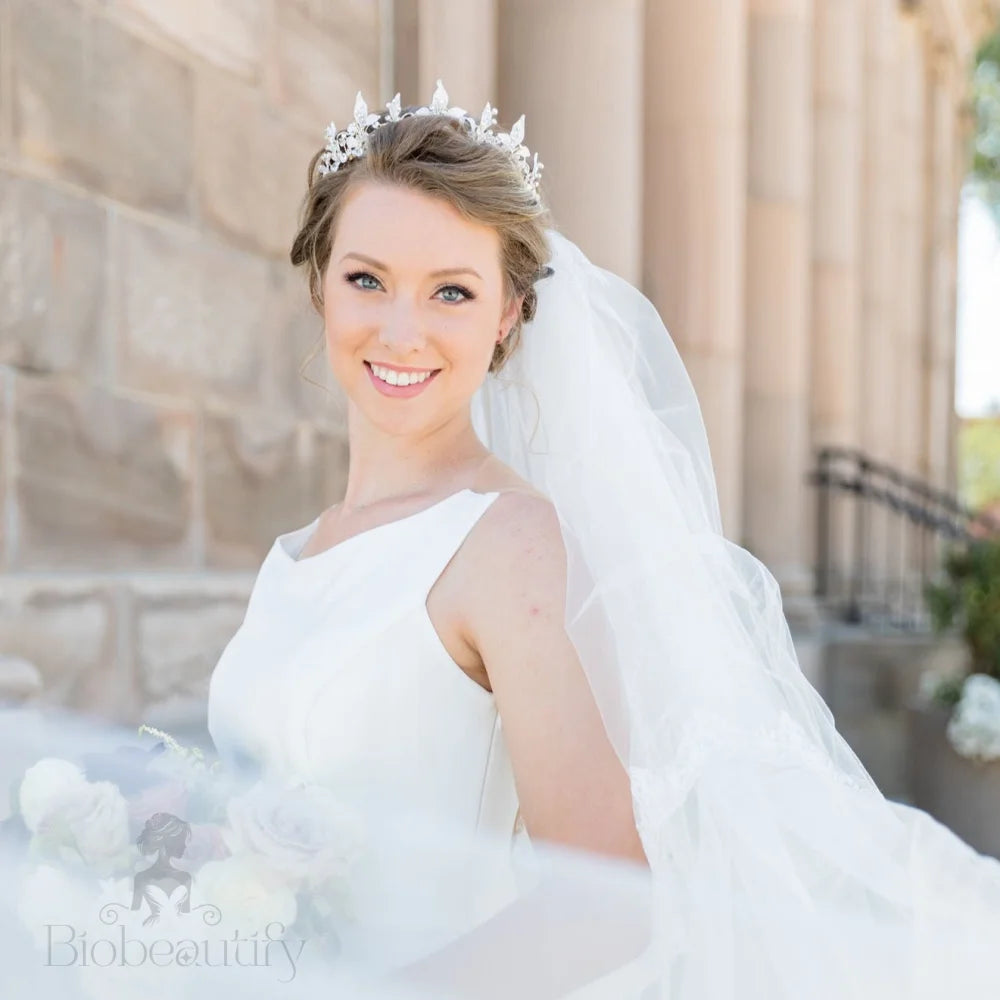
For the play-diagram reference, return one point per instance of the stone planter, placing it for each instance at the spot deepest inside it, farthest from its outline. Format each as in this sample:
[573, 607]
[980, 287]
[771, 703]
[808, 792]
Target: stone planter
[959, 792]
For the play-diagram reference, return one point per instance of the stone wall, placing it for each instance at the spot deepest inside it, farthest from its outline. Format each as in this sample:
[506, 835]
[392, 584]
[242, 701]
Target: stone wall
[155, 430]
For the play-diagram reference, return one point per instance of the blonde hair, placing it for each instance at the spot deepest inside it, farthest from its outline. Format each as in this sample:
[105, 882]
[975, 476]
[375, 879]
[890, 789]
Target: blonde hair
[433, 154]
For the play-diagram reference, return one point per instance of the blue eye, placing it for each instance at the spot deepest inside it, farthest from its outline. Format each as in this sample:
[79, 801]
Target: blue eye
[355, 277]
[464, 292]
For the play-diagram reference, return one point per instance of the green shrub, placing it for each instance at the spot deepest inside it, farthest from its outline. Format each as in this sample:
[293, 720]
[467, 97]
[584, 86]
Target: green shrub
[969, 599]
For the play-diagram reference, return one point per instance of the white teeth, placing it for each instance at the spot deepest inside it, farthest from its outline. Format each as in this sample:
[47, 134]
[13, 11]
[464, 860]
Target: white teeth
[399, 378]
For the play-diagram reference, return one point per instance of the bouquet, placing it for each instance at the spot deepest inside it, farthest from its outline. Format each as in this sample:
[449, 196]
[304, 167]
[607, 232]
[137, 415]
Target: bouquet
[162, 843]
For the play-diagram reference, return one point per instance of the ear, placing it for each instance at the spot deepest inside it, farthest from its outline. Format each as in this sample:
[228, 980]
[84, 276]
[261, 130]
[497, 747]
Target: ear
[510, 317]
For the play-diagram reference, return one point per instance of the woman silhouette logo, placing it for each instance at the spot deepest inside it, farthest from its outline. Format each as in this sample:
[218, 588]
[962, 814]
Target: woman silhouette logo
[162, 885]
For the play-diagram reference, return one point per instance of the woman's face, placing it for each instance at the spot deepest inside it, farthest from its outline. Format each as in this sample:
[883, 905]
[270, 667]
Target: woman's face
[411, 287]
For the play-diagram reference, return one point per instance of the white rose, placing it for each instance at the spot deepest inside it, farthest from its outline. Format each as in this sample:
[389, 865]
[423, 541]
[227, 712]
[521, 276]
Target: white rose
[249, 895]
[90, 821]
[304, 833]
[974, 727]
[44, 784]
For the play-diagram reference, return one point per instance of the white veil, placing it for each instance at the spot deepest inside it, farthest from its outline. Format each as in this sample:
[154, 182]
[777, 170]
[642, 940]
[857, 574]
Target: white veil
[780, 871]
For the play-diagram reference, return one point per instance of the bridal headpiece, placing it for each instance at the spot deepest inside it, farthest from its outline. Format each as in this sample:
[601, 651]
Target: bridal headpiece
[351, 142]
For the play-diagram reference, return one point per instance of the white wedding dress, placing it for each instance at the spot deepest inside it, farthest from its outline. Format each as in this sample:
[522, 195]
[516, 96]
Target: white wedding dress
[338, 677]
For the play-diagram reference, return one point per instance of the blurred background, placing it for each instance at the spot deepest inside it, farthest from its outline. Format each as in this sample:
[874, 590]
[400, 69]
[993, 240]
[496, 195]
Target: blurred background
[808, 190]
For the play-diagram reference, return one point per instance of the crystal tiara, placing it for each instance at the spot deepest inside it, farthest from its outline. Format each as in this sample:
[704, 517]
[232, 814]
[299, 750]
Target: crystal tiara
[351, 142]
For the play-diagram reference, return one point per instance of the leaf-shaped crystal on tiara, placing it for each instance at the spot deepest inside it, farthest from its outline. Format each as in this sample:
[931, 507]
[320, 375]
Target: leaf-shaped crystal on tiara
[517, 132]
[439, 102]
[352, 142]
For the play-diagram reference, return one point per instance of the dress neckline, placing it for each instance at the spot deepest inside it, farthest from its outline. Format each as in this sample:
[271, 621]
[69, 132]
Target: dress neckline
[290, 544]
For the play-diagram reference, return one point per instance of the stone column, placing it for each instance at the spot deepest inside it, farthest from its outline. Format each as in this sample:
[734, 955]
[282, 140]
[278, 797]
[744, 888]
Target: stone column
[880, 238]
[694, 211]
[838, 125]
[911, 251]
[911, 227]
[838, 46]
[939, 365]
[458, 44]
[574, 69]
[879, 374]
[778, 292]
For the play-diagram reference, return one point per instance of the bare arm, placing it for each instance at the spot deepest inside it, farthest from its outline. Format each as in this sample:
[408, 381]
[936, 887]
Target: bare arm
[572, 788]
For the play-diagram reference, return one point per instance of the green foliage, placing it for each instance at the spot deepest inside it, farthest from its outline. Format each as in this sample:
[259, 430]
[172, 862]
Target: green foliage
[969, 599]
[979, 461]
[986, 107]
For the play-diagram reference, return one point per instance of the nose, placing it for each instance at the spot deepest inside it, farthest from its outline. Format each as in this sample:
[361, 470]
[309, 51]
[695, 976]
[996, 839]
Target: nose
[402, 329]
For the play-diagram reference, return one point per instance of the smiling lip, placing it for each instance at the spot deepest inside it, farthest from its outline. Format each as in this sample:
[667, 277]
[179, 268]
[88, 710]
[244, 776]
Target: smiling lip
[400, 391]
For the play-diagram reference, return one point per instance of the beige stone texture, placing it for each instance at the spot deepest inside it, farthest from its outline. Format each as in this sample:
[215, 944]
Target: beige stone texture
[778, 261]
[912, 250]
[468, 70]
[261, 479]
[99, 107]
[879, 389]
[297, 381]
[179, 628]
[6, 463]
[939, 353]
[585, 56]
[53, 252]
[231, 34]
[6, 78]
[835, 302]
[67, 628]
[102, 481]
[694, 209]
[251, 166]
[324, 53]
[192, 314]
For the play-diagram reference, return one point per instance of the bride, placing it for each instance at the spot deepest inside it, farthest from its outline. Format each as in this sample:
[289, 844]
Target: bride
[523, 631]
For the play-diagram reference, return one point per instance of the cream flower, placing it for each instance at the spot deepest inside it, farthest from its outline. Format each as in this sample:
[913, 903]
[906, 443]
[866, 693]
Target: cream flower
[44, 784]
[304, 833]
[89, 822]
[248, 894]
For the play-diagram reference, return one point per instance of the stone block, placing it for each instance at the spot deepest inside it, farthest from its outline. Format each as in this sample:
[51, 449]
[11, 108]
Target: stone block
[261, 478]
[251, 169]
[230, 34]
[323, 55]
[100, 107]
[53, 251]
[68, 631]
[192, 313]
[6, 72]
[19, 679]
[296, 377]
[101, 481]
[180, 628]
[6, 458]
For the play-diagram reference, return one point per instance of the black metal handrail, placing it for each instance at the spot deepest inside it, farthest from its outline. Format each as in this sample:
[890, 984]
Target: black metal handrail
[881, 536]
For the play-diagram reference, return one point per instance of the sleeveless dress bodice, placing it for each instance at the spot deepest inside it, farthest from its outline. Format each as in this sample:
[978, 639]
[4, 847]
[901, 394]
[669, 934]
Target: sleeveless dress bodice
[338, 676]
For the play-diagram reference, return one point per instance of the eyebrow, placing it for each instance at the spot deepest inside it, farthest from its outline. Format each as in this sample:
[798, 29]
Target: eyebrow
[434, 274]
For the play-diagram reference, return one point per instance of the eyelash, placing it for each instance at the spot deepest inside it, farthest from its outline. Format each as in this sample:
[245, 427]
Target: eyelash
[353, 276]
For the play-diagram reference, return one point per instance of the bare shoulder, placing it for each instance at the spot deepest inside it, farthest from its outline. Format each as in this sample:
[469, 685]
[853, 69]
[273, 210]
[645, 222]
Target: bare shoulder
[520, 523]
[518, 560]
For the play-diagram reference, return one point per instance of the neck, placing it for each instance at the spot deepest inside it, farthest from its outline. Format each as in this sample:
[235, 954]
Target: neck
[384, 467]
